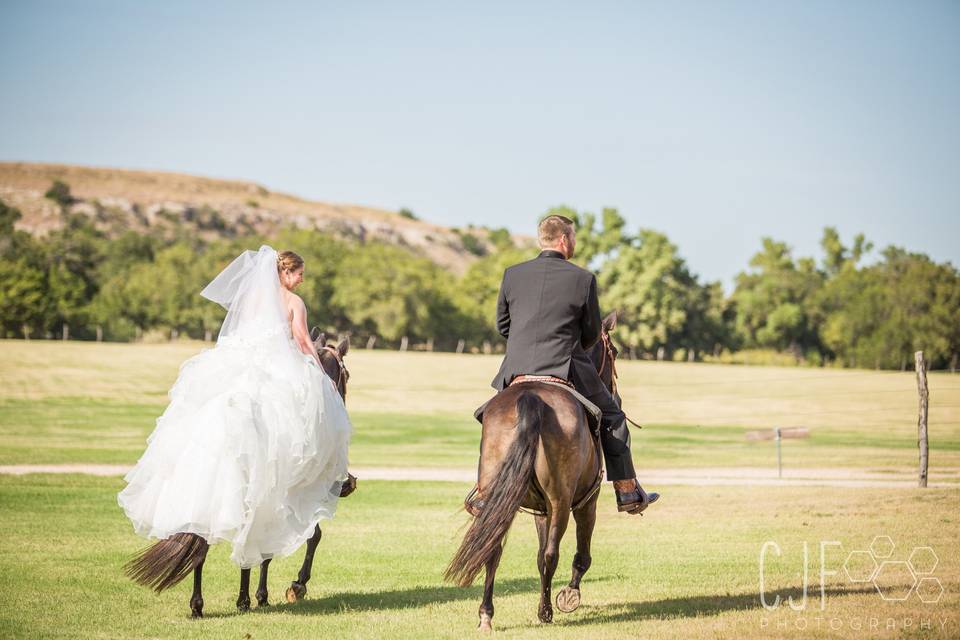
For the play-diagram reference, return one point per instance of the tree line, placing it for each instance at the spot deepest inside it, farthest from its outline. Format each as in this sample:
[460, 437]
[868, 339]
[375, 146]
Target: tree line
[838, 310]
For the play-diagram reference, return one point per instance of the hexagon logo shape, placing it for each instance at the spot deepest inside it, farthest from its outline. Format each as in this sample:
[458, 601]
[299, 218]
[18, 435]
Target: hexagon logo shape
[930, 590]
[894, 580]
[882, 547]
[923, 560]
[860, 566]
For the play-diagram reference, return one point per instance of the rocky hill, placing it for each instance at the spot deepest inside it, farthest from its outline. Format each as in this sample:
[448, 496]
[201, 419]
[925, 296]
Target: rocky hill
[120, 199]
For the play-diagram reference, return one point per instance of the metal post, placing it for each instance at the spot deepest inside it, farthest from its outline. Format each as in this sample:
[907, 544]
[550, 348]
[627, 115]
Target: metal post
[777, 437]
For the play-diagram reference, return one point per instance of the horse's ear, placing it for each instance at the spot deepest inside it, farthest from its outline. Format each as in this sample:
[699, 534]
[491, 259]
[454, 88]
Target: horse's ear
[320, 341]
[344, 346]
[610, 322]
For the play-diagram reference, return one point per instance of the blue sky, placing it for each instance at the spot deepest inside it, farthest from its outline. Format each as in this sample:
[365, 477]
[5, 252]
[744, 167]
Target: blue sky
[716, 123]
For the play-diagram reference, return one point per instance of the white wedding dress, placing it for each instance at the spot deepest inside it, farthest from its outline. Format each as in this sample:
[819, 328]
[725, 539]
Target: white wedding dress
[252, 448]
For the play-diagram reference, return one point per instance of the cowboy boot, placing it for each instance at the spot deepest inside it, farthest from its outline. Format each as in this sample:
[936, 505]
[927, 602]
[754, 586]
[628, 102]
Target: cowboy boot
[633, 500]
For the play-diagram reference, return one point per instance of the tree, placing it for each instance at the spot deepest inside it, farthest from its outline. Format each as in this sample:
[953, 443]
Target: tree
[837, 256]
[596, 244]
[775, 301]
[478, 288]
[500, 238]
[59, 192]
[650, 285]
[388, 291]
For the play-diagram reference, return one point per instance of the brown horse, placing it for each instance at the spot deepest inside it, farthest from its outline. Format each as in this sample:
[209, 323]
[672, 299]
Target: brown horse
[169, 561]
[536, 453]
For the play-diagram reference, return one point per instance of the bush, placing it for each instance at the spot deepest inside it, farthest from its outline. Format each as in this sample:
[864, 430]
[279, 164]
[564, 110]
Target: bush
[59, 192]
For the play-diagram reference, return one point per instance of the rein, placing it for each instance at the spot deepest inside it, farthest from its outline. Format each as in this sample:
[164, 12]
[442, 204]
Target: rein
[344, 374]
[608, 354]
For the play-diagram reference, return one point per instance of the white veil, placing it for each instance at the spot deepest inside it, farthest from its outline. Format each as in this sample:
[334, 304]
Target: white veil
[249, 289]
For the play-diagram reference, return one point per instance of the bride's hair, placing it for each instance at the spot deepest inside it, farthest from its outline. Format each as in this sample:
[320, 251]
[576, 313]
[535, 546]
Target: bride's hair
[288, 261]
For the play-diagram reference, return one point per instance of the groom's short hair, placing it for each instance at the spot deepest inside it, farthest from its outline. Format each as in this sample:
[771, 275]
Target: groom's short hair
[551, 228]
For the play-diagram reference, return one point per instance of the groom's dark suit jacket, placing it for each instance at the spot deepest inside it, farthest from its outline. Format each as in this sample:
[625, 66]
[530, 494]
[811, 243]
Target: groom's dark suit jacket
[549, 313]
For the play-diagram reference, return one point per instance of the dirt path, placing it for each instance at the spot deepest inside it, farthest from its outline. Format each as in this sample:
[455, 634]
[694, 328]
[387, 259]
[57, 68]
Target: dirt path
[708, 476]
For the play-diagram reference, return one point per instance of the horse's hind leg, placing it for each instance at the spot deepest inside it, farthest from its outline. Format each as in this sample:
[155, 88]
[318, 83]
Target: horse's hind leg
[586, 517]
[298, 588]
[243, 599]
[550, 530]
[196, 600]
[262, 585]
[486, 607]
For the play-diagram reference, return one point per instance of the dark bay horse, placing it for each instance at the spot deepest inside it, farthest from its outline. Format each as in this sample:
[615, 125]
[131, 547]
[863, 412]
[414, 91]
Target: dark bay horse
[536, 452]
[169, 561]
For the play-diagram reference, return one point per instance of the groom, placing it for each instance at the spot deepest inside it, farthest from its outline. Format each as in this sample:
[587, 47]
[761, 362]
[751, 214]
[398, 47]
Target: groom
[549, 313]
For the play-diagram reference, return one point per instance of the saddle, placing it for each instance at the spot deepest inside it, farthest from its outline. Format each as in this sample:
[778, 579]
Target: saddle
[592, 410]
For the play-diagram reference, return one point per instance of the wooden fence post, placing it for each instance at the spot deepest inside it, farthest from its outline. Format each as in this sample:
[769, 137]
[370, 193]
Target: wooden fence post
[207, 335]
[922, 421]
[99, 333]
[404, 342]
[66, 331]
[371, 341]
[487, 347]
[460, 345]
[430, 344]
[26, 332]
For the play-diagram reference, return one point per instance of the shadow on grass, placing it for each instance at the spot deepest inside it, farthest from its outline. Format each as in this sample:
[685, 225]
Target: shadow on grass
[695, 606]
[688, 607]
[398, 599]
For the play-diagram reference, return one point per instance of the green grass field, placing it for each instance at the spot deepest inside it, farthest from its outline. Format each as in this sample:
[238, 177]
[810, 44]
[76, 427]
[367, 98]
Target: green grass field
[83, 402]
[689, 568]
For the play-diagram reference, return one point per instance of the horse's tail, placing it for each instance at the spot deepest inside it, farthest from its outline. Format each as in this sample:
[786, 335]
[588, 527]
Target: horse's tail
[502, 497]
[167, 562]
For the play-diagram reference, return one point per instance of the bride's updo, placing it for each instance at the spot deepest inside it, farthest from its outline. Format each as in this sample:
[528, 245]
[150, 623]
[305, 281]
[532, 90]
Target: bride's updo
[288, 261]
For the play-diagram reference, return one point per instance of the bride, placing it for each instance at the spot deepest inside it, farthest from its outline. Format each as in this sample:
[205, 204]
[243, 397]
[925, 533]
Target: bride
[252, 449]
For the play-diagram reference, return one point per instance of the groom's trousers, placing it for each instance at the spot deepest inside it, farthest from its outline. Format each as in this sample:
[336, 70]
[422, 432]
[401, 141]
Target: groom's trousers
[614, 432]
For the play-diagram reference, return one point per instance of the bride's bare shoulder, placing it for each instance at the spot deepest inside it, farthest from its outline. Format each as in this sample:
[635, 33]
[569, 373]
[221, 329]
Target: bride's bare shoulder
[291, 300]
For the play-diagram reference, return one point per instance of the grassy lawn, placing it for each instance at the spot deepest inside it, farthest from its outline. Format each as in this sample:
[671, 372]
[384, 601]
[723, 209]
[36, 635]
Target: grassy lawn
[690, 568]
[85, 402]
[687, 569]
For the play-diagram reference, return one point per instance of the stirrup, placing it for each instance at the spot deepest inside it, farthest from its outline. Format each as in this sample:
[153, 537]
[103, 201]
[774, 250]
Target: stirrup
[638, 506]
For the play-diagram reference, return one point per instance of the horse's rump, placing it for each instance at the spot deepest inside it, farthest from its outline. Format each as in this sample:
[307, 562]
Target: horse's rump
[568, 451]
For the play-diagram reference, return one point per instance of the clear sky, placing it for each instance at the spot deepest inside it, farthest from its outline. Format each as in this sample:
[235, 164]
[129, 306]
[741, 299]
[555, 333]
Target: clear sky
[714, 122]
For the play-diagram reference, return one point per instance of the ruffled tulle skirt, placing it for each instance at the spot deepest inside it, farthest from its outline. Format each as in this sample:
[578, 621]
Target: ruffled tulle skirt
[252, 450]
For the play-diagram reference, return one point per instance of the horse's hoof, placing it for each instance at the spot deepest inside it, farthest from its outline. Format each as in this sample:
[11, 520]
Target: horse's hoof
[262, 602]
[296, 592]
[568, 599]
[196, 613]
[546, 615]
[243, 605]
[486, 623]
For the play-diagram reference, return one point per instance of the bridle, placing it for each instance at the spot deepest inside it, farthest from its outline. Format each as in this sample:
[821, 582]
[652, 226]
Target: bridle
[344, 374]
[610, 354]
